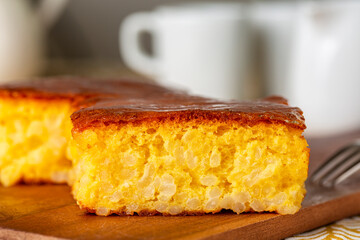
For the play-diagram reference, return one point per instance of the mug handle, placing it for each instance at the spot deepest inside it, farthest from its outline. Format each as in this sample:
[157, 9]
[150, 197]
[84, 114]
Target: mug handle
[130, 46]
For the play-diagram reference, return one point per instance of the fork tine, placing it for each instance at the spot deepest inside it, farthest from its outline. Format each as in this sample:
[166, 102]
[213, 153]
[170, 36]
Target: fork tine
[333, 162]
[343, 171]
[349, 172]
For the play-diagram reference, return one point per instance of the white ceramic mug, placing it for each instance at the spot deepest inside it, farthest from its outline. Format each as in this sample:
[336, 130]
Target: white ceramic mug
[22, 36]
[325, 72]
[203, 47]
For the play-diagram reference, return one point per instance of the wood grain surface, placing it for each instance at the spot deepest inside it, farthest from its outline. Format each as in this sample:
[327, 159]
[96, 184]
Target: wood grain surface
[49, 212]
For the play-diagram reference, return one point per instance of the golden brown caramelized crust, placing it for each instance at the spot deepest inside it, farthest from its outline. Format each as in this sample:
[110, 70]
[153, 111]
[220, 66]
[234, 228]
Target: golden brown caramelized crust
[178, 108]
[129, 100]
[82, 91]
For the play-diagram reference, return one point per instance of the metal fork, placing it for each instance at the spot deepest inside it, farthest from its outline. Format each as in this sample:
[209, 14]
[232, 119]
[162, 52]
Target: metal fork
[339, 166]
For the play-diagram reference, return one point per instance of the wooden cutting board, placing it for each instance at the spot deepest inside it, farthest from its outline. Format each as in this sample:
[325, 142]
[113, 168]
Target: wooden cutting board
[49, 212]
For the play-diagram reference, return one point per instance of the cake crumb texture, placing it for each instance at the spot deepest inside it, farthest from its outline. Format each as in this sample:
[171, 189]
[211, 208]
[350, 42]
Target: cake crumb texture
[185, 167]
[33, 140]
